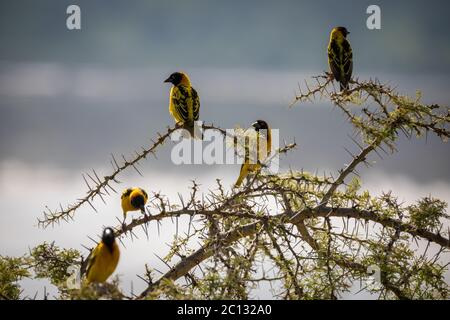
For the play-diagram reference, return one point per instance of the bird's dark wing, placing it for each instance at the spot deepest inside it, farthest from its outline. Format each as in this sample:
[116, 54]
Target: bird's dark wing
[334, 60]
[347, 61]
[126, 193]
[144, 193]
[86, 264]
[91, 259]
[195, 104]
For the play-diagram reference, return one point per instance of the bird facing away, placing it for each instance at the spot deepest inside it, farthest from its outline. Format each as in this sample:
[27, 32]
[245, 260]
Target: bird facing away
[340, 56]
[103, 260]
[133, 199]
[184, 103]
[252, 168]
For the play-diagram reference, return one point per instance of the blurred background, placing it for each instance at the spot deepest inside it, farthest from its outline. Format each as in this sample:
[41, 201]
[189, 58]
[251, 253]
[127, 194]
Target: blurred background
[68, 99]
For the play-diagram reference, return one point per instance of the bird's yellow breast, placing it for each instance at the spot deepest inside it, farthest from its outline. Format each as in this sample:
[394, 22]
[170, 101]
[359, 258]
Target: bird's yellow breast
[173, 93]
[104, 262]
[126, 205]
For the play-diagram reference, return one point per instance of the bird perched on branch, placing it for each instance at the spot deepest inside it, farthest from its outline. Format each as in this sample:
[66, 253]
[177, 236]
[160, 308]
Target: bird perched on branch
[133, 199]
[103, 260]
[184, 103]
[250, 166]
[340, 56]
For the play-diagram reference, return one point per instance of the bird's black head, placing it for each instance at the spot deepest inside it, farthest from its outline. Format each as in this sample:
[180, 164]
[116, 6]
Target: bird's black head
[108, 237]
[260, 125]
[138, 201]
[343, 30]
[175, 78]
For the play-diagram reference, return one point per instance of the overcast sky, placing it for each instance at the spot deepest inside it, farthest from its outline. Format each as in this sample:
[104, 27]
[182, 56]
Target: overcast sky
[70, 98]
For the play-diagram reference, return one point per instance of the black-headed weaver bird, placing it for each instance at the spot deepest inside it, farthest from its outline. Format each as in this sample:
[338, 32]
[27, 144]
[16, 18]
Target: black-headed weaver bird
[103, 260]
[262, 153]
[184, 103]
[340, 56]
[133, 199]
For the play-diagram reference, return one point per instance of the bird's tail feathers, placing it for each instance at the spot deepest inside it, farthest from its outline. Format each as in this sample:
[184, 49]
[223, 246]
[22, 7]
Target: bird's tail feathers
[239, 181]
[194, 131]
[343, 86]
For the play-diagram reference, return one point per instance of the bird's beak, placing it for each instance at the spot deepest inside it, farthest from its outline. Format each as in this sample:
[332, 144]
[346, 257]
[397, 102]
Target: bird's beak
[256, 125]
[250, 126]
[168, 80]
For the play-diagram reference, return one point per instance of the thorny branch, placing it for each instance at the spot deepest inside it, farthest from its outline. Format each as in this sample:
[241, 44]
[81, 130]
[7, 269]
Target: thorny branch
[319, 233]
[377, 127]
[99, 187]
[226, 239]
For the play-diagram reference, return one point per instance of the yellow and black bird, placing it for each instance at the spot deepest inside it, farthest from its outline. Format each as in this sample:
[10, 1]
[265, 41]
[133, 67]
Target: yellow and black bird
[340, 56]
[262, 152]
[184, 103]
[133, 199]
[103, 260]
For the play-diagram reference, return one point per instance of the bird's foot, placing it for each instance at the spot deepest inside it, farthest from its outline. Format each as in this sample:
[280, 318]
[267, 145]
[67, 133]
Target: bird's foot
[146, 214]
[124, 226]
